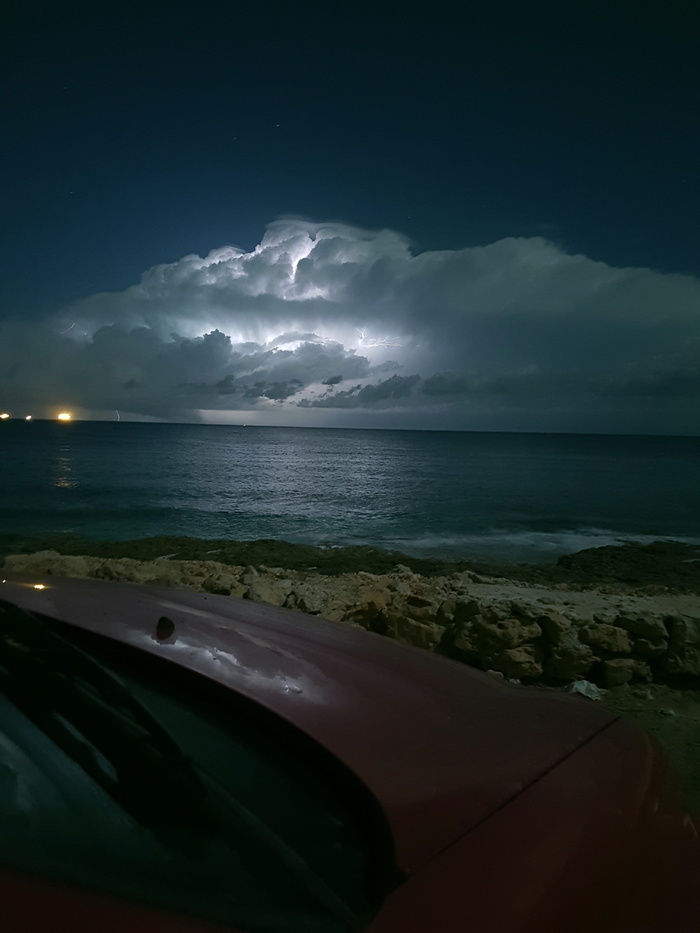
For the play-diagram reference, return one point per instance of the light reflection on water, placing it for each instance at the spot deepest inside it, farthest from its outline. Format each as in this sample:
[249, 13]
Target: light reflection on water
[63, 474]
[516, 497]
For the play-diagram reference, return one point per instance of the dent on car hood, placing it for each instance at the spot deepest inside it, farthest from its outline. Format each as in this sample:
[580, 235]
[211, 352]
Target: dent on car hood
[440, 746]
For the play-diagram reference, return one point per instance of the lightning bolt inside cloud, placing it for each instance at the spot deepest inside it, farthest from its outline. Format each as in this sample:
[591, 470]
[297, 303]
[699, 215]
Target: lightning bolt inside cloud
[370, 342]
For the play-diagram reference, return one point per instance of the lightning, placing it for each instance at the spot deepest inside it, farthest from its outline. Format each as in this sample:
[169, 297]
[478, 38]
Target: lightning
[370, 343]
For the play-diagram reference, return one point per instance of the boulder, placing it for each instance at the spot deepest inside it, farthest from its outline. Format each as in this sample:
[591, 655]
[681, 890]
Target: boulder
[569, 661]
[685, 631]
[463, 646]
[684, 648]
[602, 637]
[650, 647]
[464, 609]
[521, 663]
[309, 596]
[556, 627]
[400, 586]
[371, 603]
[446, 611]
[425, 635]
[684, 661]
[269, 589]
[644, 624]
[494, 633]
[420, 607]
[250, 575]
[618, 671]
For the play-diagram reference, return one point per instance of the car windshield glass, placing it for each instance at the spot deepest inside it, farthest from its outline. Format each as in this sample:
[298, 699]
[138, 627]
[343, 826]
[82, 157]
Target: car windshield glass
[128, 774]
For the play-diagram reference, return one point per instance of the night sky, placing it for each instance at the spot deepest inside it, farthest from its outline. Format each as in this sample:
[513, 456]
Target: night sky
[475, 216]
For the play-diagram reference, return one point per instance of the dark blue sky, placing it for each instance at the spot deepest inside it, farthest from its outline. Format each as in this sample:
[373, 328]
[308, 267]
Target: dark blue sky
[479, 216]
[135, 134]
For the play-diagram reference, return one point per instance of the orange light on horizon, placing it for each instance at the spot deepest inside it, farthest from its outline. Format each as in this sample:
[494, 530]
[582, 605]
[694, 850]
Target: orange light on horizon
[3, 416]
[64, 416]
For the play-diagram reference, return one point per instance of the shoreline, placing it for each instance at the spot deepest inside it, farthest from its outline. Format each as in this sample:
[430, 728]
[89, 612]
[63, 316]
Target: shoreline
[661, 566]
[611, 615]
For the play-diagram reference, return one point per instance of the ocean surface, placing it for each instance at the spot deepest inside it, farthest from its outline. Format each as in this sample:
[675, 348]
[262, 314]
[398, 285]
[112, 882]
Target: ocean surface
[515, 497]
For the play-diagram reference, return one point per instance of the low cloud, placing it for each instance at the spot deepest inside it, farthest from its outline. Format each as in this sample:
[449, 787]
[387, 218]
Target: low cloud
[385, 394]
[329, 316]
[445, 384]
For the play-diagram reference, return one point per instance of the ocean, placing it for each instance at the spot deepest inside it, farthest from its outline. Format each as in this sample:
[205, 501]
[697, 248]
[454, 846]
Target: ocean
[456, 495]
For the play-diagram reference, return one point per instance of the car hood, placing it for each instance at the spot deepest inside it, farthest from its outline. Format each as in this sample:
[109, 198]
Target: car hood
[440, 745]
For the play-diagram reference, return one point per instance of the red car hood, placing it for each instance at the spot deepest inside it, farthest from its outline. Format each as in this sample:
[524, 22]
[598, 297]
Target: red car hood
[441, 746]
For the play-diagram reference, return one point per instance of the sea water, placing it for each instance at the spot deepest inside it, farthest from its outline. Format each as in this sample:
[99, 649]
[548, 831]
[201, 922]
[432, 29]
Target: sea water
[519, 497]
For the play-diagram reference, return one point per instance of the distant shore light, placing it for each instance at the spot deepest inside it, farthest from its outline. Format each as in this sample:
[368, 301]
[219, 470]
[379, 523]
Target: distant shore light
[3, 416]
[64, 416]
[27, 417]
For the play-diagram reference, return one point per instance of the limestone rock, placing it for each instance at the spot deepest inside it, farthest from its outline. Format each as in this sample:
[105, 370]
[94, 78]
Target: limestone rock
[464, 610]
[422, 608]
[555, 626]
[645, 624]
[650, 647]
[505, 633]
[47, 562]
[251, 574]
[464, 647]
[523, 662]
[570, 662]
[269, 589]
[682, 661]
[308, 596]
[618, 671]
[602, 637]
[446, 611]
[684, 649]
[371, 603]
[412, 632]
[523, 632]
[685, 631]
[401, 570]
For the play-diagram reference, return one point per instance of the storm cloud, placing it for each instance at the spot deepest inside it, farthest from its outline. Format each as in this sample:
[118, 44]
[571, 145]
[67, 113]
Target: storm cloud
[330, 324]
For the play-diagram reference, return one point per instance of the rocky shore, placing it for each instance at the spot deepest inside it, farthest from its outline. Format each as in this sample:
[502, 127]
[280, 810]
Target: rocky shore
[594, 625]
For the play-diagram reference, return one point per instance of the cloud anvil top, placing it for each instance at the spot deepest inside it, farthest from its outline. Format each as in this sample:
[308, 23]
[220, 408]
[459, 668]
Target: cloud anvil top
[330, 324]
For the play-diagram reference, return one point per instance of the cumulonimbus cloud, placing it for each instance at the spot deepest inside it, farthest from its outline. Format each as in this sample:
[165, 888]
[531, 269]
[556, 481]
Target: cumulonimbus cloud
[331, 317]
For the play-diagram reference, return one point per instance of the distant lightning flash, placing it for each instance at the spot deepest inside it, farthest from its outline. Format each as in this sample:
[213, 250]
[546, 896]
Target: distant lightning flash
[67, 329]
[372, 342]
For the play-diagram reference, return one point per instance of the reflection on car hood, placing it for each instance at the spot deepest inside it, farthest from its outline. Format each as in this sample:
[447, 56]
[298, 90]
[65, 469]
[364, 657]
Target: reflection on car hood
[441, 746]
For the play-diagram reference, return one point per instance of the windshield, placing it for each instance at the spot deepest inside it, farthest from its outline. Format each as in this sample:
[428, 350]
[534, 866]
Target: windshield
[121, 772]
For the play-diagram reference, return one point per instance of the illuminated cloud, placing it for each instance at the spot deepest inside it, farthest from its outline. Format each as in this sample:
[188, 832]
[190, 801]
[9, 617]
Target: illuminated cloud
[328, 321]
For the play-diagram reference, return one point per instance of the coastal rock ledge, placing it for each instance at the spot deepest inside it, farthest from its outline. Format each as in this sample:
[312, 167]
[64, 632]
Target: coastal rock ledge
[524, 632]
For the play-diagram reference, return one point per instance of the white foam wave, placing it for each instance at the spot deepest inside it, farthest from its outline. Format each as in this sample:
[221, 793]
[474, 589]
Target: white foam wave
[519, 546]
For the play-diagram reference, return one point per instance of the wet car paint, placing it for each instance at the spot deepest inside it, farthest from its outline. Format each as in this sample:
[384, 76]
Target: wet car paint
[426, 735]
